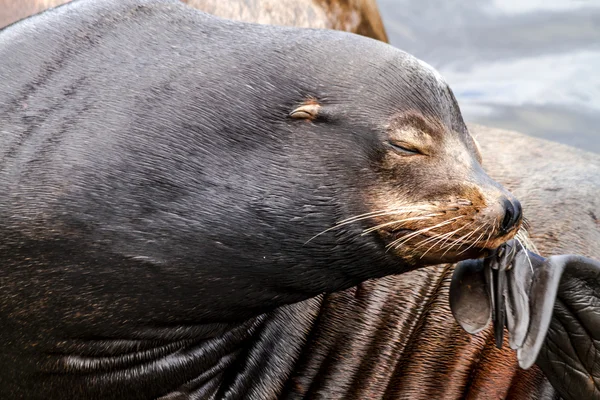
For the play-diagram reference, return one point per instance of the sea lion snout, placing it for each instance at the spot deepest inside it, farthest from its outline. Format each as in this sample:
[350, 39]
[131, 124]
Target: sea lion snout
[512, 216]
[447, 207]
[501, 208]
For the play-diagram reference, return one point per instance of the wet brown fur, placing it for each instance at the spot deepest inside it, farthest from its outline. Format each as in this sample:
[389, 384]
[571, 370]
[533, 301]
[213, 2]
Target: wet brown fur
[357, 16]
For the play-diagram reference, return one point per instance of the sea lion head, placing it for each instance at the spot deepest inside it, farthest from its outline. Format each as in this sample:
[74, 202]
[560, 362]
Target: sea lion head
[418, 168]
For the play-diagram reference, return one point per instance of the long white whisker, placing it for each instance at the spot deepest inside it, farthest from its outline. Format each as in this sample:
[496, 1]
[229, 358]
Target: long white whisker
[526, 254]
[489, 235]
[430, 239]
[439, 239]
[369, 230]
[526, 241]
[436, 242]
[453, 243]
[462, 239]
[382, 213]
[474, 242]
[404, 239]
[374, 214]
[443, 244]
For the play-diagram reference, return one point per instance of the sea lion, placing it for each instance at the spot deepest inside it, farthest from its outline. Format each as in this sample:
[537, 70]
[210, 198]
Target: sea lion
[553, 180]
[170, 179]
[356, 16]
[546, 178]
[517, 290]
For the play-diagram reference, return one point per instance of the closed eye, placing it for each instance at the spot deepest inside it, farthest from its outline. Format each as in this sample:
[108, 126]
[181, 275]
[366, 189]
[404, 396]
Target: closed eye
[403, 148]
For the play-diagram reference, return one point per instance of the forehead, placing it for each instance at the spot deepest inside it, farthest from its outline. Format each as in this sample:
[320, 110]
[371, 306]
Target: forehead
[426, 70]
[406, 85]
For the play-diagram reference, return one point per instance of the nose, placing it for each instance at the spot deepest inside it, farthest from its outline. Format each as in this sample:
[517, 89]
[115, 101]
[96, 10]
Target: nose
[512, 216]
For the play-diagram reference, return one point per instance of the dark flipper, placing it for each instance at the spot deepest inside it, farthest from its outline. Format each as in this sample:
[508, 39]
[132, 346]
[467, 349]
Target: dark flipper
[570, 356]
[552, 308]
[542, 296]
[517, 300]
[499, 266]
[470, 296]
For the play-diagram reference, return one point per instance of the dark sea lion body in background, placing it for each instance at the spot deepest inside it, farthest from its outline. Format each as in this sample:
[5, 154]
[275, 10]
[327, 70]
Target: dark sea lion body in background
[169, 179]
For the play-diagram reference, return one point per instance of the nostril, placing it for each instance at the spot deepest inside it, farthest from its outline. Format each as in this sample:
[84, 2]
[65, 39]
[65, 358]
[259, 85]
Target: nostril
[518, 211]
[512, 214]
[508, 217]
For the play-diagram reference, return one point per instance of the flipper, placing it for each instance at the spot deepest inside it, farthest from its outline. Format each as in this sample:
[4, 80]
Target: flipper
[551, 308]
[470, 297]
[570, 356]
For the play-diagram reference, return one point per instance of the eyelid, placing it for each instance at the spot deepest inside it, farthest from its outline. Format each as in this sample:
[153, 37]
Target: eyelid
[403, 148]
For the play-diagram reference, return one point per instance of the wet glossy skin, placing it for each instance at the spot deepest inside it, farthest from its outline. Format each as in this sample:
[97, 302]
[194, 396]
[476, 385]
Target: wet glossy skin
[168, 185]
[362, 327]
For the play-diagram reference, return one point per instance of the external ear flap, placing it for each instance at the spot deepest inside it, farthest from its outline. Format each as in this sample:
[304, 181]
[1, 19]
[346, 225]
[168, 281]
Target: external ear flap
[469, 296]
[306, 111]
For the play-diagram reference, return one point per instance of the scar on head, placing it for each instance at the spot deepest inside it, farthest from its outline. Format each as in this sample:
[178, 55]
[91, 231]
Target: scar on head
[309, 110]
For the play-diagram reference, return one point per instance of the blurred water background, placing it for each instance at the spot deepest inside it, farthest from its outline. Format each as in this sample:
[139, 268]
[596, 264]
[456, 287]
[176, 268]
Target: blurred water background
[526, 65]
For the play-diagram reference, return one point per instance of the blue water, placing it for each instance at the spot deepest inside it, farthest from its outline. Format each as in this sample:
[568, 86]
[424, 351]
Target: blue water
[527, 65]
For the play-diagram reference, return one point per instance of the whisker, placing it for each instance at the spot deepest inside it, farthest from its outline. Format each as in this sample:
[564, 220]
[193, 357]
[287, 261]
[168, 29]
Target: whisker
[448, 238]
[453, 243]
[490, 234]
[431, 239]
[474, 242]
[398, 210]
[358, 218]
[405, 238]
[380, 213]
[439, 239]
[526, 240]
[369, 230]
[462, 239]
[466, 240]
[526, 254]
